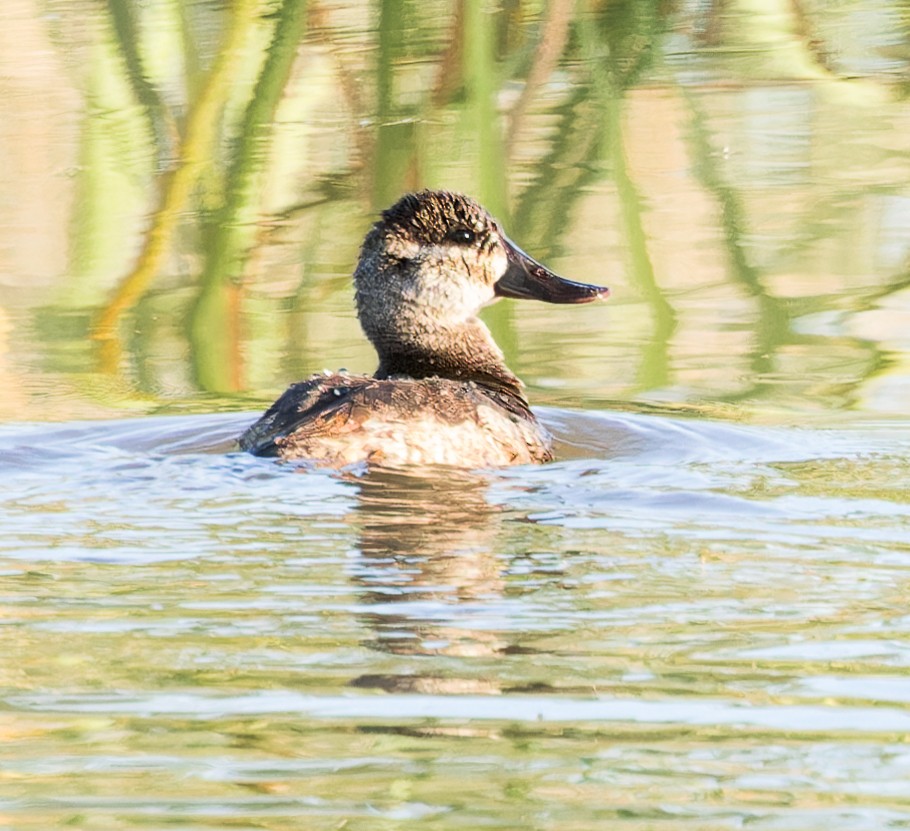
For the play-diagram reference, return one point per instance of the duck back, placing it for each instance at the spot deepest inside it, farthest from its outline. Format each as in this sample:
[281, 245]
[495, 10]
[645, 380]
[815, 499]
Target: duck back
[337, 420]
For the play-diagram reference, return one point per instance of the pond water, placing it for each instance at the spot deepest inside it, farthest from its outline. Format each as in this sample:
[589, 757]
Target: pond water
[689, 624]
[697, 618]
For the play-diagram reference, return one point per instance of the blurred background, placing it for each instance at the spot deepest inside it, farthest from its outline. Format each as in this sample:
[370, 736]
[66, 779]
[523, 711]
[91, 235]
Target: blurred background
[184, 185]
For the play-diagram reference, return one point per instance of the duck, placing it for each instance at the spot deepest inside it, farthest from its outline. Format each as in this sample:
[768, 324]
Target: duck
[442, 393]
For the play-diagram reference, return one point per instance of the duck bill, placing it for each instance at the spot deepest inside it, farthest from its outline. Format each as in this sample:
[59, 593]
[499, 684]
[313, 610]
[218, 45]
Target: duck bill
[525, 278]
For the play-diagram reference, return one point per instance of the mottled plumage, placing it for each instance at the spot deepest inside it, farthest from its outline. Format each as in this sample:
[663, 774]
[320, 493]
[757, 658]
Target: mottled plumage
[442, 393]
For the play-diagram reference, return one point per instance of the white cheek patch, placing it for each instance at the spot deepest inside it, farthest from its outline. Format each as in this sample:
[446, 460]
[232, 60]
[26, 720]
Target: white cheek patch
[476, 295]
[453, 282]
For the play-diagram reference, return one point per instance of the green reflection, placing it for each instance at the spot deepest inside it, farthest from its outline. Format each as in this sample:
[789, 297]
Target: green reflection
[231, 231]
[481, 123]
[267, 134]
[395, 142]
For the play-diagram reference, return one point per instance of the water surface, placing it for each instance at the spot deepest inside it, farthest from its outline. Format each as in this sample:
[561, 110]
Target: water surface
[692, 624]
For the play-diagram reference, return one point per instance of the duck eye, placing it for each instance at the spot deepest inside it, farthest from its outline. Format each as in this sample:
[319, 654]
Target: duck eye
[462, 236]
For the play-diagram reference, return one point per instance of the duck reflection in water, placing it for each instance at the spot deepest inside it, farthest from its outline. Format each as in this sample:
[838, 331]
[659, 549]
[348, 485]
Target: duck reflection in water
[428, 545]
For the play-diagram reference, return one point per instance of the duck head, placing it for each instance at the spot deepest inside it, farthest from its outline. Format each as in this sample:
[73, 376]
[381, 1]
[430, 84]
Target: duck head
[426, 268]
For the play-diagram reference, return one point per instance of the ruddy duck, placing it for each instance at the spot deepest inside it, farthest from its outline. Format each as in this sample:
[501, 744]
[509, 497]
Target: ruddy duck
[442, 393]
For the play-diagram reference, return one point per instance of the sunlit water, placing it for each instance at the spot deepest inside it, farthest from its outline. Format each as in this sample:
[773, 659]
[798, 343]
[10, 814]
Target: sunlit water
[684, 623]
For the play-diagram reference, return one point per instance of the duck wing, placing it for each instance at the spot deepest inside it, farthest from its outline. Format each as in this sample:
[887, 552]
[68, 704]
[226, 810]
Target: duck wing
[319, 405]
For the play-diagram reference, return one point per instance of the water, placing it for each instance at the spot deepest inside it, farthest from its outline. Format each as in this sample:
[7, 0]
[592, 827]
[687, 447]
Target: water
[690, 624]
[695, 619]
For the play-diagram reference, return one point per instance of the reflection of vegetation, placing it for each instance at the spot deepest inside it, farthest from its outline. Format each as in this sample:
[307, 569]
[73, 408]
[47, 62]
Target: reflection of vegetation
[194, 152]
[772, 327]
[215, 324]
[426, 97]
[123, 20]
[655, 363]
[615, 48]
[394, 158]
[618, 45]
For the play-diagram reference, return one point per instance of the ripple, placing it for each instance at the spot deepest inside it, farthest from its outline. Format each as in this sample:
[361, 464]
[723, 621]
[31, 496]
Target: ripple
[537, 710]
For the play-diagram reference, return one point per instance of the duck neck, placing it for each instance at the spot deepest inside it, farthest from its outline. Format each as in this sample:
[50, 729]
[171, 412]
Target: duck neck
[464, 353]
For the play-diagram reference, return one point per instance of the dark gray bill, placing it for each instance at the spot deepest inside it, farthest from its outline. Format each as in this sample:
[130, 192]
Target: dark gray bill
[527, 278]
